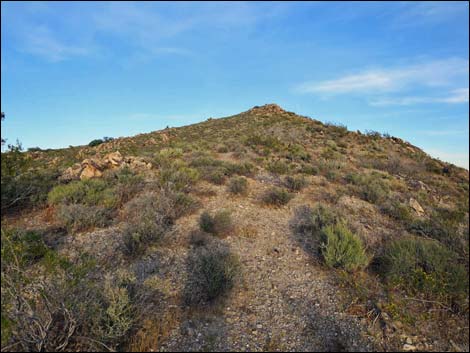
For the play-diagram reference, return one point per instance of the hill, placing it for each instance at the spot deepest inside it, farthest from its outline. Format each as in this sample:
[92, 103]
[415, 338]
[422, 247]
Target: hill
[262, 231]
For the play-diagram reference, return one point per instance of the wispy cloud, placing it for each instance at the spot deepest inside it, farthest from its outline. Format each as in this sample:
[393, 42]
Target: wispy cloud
[430, 74]
[428, 12]
[444, 132]
[455, 96]
[459, 159]
[145, 29]
[42, 42]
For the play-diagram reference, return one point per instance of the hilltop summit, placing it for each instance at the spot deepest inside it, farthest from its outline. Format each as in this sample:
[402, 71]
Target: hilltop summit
[271, 108]
[262, 231]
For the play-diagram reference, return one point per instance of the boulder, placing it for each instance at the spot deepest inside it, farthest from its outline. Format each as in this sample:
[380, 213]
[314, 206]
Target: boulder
[71, 173]
[113, 159]
[94, 168]
[137, 163]
[416, 207]
[89, 172]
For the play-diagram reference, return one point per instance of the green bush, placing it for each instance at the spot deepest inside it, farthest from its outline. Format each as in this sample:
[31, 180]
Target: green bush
[343, 249]
[238, 185]
[77, 217]
[310, 221]
[372, 187]
[213, 270]
[166, 156]
[149, 216]
[374, 191]
[214, 175]
[425, 266]
[295, 183]
[178, 176]
[21, 185]
[244, 168]
[199, 238]
[218, 224]
[126, 184]
[398, 211]
[443, 225]
[27, 246]
[278, 167]
[309, 169]
[297, 152]
[91, 192]
[276, 196]
[95, 142]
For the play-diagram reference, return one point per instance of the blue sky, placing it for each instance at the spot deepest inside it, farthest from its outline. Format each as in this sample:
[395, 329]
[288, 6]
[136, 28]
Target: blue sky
[72, 72]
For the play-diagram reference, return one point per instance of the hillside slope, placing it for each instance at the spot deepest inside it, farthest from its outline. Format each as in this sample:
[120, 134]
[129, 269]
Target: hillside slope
[263, 231]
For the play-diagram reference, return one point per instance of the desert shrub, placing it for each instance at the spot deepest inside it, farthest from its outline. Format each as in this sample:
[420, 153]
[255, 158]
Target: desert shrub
[353, 178]
[183, 203]
[330, 168]
[63, 302]
[371, 188]
[398, 211]
[307, 223]
[309, 169]
[214, 175]
[426, 267]
[218, 224]
[244, 168]
[199, 238]
[27, 246]
[77, 217]
[442, 225]
[374, 192]
[213, 270]
[433, 166]
[337, 129]
[22, 186]
[118, 307]
[95, 142]
[126, 184]
[238, 185]
[166, 156]
[205, 161]
[278, 167]
[373, 134]
[342, 249]
[269, 142]
[296, 152]
[295, 183]
[92, 192]
[178, 176]
[222, 149]
[148, 217]
[276, 196]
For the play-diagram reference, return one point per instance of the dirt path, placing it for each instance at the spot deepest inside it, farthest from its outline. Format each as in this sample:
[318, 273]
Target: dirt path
[285, 301]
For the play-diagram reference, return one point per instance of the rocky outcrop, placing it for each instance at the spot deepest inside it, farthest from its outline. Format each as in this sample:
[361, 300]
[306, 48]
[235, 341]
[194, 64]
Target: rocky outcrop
[94, 168]
[113, 159]
[267, 109]
[416, 207]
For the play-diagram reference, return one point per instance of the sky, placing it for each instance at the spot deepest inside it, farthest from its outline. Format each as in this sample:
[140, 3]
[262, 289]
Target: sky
[72, 72]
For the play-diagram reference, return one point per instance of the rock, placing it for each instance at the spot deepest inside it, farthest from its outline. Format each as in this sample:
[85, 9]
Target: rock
[267, 109]
[416, 207]
[113, 159]
[91, 169]
[408, 347]
[419, 185]
[71, 173]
